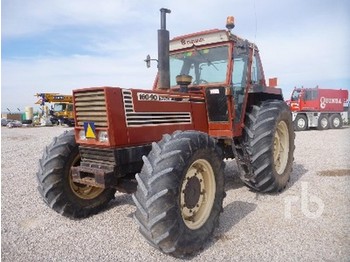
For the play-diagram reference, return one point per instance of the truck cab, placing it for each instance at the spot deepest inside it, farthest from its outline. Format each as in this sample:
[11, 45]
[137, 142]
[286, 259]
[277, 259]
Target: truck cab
[64, 112]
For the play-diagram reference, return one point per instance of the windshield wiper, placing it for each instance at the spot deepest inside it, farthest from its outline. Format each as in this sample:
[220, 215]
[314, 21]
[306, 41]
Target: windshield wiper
[205, 58]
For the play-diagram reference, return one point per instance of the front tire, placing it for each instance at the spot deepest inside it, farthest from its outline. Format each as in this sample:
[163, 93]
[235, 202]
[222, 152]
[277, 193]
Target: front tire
[300, 123]
[268, 140]
[56, 186]
[180, 192]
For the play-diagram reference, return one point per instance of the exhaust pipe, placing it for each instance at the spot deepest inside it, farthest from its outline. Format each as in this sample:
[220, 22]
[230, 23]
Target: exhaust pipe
[163, 52]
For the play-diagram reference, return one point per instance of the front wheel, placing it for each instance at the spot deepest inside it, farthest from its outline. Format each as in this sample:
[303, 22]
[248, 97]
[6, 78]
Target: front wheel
[300, 123]
[56, 185]
[180, 192]
[268, 140]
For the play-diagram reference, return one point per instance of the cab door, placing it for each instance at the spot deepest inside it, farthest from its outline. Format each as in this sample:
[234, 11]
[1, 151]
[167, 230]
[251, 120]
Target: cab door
[219, 112]
[218, 98]
[241, 78]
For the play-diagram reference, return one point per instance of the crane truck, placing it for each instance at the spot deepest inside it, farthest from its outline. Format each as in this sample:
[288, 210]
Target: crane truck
[62, 110]
[318, 107]
[167, 145]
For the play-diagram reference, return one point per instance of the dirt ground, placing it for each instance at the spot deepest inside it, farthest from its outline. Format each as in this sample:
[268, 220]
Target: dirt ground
[309, 221]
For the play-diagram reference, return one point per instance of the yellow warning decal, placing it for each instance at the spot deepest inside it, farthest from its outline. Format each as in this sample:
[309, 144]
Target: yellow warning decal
[89, 128]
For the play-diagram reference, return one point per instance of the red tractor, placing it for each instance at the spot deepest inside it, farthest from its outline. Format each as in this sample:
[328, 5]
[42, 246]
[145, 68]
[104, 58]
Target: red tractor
[167, 145]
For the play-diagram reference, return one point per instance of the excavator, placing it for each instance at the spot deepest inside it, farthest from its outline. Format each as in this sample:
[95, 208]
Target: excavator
[61, 112]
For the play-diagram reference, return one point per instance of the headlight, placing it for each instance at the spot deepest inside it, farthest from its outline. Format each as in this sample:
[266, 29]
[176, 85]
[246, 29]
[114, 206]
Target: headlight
[82, 135]
[103, 136]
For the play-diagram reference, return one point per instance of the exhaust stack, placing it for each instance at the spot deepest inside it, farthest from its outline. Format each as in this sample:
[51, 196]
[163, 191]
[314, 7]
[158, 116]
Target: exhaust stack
[163, 52]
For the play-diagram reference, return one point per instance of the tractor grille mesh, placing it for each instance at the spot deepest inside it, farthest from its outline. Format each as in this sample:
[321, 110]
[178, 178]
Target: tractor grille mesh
[151, 118]
[90, 106]
[97, 156]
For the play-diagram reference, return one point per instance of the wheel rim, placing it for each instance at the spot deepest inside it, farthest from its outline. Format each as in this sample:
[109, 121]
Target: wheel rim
[336, 122]
[281, 147]
[81, 190]
[197, 194]
[324, 122]
[301, 123]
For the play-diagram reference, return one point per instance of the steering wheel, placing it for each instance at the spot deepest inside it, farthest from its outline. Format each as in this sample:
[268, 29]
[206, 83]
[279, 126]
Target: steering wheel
[200, 81]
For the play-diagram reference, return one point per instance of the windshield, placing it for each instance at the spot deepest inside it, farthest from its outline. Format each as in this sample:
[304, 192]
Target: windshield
[207, 65]
[295, 95]
[59, 107]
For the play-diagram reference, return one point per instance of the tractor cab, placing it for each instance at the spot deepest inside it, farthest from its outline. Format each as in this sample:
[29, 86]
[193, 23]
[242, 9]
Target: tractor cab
[224, 68]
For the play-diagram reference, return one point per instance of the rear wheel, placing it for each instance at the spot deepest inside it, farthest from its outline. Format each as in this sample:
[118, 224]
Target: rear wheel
[268, 142]
[180, 192]
[300, 123]
[57, 187]
[336, 121]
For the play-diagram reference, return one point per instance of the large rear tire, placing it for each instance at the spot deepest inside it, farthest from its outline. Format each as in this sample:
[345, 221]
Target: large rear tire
[56, 186]
[268, 140]
[180, 192]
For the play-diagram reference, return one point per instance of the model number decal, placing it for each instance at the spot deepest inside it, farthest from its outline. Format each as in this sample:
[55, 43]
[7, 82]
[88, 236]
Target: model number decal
[152, 97]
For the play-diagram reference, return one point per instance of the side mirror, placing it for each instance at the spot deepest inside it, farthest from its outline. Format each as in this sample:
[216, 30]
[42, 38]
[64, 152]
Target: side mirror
[148, 61]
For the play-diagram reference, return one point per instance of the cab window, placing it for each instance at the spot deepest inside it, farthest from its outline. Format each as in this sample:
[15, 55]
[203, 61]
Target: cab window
[256, 75]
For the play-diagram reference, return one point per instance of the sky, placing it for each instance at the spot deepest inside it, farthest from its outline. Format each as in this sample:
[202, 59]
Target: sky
[62, 45]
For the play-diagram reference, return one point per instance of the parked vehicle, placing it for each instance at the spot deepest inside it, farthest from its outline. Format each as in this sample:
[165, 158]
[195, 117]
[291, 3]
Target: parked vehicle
[61, 110]
[167, 145]
[318, 107]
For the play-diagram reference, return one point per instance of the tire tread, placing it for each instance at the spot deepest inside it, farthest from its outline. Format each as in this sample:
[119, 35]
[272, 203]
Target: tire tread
[254, 153]
[157, 213]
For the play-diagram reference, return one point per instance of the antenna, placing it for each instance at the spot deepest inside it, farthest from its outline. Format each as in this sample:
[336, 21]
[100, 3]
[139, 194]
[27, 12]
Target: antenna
[256, 21]
[256, 27]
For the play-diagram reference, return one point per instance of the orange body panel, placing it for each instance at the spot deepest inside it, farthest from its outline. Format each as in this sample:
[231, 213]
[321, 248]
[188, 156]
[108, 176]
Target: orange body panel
[136, 117]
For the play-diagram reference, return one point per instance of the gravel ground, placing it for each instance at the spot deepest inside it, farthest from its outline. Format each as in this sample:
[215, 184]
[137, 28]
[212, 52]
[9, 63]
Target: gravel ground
[309, 221]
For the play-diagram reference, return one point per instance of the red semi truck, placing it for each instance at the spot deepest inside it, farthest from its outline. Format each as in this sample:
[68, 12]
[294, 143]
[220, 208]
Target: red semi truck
[318, 107]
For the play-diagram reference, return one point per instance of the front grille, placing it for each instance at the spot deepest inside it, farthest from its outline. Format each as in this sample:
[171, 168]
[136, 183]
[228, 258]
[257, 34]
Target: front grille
[97, 156]
[91, 107]
[158, 118]
[151, 118]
